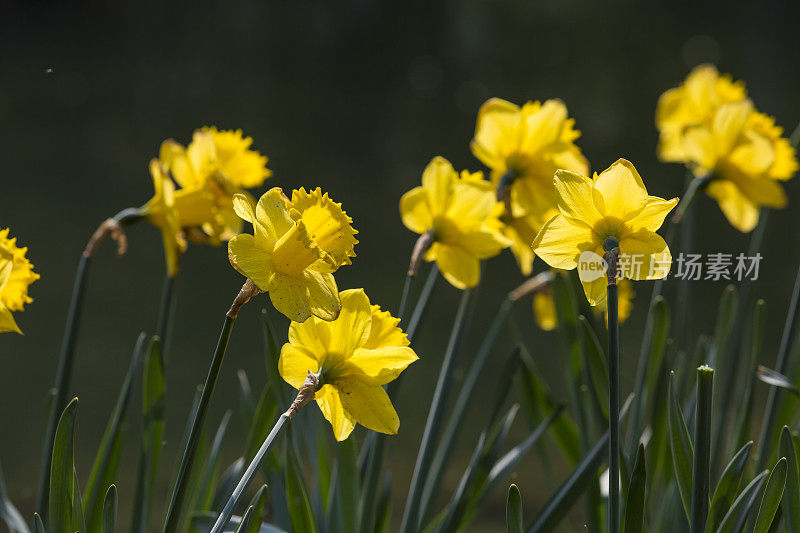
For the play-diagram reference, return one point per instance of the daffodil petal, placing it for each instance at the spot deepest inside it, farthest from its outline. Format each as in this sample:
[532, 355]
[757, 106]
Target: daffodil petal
[384, 331]
[299, 297]
[560, 242]
[351, 330]
[544, 311]
[273, 213]
[496, 131]
[544, 126]
[330, 403]
[380, 365]
[652, 216]
[295, 363]
[644, 255]
[483, 243]
[472, 203]
[740, 211]
[369, 405]
[596, 291]
[323, 295]
[244, 207]
[575, 197]
[250, 260]
[415, 211]
[438, 178]
[312, 335]
[7, 322]
[327, 223]
[728, 124]
[619, 191]
[699, 148]
[458, 267]
[295, 251]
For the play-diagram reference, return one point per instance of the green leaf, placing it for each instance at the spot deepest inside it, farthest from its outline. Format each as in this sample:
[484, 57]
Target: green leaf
[459, 502]
[203, 521]
[514, 510]
[728, 487]
[226, 483]
[38, 526]
[791, 503]
[110, 510]
[262, 422]
[384, 506]
[278, 387]
[247, 403]
[244, 525]
[776, 379]
[575, 485]
[300, 513]
[259, 505]
[634, 506]
[736, 517]
[772, 497]
[153, 392]
[204, 497]
[681, 447]
[596, 366]
[104, 469]
[62, 472]
[78, 517]
[345, 487]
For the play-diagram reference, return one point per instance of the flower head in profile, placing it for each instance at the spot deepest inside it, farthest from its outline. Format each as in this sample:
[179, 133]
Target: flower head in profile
[456, 211]
[354, 356]
[197, 205]
[523, 147]
[709, 125]
[612, 209]
[16, 275]
[296, 246]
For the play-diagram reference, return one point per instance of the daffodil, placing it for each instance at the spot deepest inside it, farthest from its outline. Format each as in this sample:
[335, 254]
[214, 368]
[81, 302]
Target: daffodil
[296, 246]
[354, 356]
[215, 166]
[16, 275]
[709, 124]
[544, 309]
[523, 147]
[611, 210]
[624, 301]
[520, 231]
[456, 210]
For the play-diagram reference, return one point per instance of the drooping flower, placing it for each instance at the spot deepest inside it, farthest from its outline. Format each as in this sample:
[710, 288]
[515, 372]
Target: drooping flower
[612, 209]
[354, 356]
[16, 275]
[294, 250]
[208, 172]
[709, 125]
[523, 147]
[456, 210]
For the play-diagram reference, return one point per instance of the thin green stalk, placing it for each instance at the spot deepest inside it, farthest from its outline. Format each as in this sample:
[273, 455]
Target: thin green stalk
[411, 515]
[179, 492]
[695, 186]
[613, 407]
[702, 449]
[249, 474]
[684, 321]
[165, 311]
[767, 430]
[409, 281]
[67, 354]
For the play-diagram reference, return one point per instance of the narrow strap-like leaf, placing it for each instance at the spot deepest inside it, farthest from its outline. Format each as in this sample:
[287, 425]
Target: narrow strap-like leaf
[110, 510]
[514, 510]
[681, 446]
[728, 487]
[62, 472]
[258, 504]
[244, 525]
[772, 497]
[634, 506]
[736, 517]
[790, 505]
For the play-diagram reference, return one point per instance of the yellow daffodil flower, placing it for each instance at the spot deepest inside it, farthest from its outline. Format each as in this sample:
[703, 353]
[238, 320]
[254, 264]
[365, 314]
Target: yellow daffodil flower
[16, 275]
[694, 103]
[457, 211]
[215, 166]
[520, 231]
[354, 356]
[296, 246]
[611, 209]
[524, 147]
[709, 124]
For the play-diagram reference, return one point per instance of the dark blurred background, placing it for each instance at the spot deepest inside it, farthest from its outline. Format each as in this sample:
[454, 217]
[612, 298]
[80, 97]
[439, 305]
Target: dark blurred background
[354, 96]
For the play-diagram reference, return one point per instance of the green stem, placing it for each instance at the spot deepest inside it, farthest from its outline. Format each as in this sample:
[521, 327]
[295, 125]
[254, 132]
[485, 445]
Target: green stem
[411, 515]
[165, 311]
[404, 297]
[695, 186]
[771, 411]
[65, 362]
[702, 449]
[179, 492]
[249, 474]
[613, 407]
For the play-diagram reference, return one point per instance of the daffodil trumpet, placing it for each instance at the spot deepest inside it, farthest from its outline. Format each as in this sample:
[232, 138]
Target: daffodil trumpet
[112, 228]
[306, 393]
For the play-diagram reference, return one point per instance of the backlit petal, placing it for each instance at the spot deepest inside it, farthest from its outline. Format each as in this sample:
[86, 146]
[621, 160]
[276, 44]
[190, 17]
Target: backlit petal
[351, 330]
[596, 291]
[458, 267]
[273, 213]
[483, 243]
[740, 211]
[438, 178]
[560, 242]
[496, 132]
[295, 363]
[7, 322]
[380, 365]
[327, 223]
[369, 405]
[575, 197]
[250, 260]
[648, 256]
[621, 191]
[295, 251]
[472, 203]
[384, 331]
[332, 409]
[415, 211]
[652, 216]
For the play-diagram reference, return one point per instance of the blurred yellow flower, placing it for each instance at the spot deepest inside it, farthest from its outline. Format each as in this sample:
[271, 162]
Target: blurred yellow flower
[457, 211]
[610, 209]
[524, 147]
[215, 166]
[16, 274]
[709, 125]
[520, 231]
[544, 305]
[355, 355]
[294, 250]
